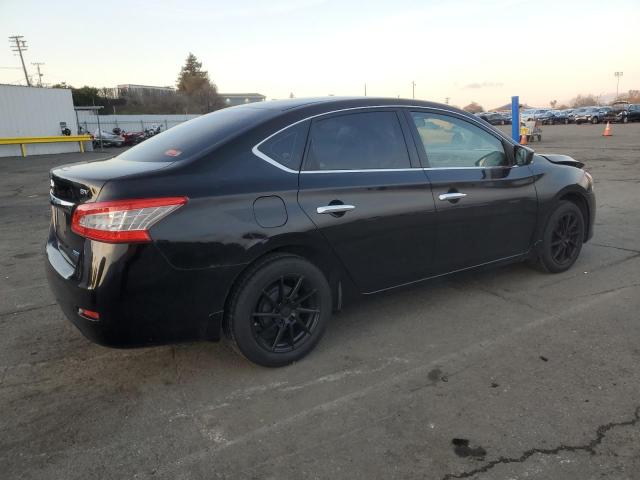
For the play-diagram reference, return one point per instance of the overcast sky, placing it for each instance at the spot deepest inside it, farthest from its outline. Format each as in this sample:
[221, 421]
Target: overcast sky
[467, 50]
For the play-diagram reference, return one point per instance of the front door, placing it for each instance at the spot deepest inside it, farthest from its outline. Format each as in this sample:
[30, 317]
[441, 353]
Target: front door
[486, 206]
[375, 208]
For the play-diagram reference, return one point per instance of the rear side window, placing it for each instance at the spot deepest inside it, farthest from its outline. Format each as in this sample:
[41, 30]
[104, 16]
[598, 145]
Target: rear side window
[287, 147]
[451, 142]
[357, 141]
[190, 139]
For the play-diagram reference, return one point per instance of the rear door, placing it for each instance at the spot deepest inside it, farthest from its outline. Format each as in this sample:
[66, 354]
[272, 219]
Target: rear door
[486, 206]
[362, 186]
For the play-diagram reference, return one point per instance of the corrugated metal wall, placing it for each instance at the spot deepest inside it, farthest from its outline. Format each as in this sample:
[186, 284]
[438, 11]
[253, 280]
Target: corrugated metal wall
[31, 112]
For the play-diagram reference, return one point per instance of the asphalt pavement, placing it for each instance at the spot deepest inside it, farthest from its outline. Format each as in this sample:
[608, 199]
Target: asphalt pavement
[500, 374]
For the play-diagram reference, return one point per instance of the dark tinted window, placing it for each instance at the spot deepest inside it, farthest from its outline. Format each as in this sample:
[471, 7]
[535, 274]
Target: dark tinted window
[287, 147]
[357, 141]
[450, 142]
[191, 138]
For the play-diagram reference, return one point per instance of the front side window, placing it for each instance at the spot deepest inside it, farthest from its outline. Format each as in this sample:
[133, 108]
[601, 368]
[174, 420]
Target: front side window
[450, 142]
[357, 141]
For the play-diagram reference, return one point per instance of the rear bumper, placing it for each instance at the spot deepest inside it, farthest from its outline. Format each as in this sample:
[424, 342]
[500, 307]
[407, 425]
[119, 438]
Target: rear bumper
[141, 299]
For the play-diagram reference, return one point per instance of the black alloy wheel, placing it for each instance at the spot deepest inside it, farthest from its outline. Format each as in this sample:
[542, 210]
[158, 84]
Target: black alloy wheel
[285, 314]
[278, 311]
[563, 238]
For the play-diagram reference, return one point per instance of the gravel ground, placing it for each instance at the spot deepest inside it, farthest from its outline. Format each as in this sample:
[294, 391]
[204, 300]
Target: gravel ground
[502, 374]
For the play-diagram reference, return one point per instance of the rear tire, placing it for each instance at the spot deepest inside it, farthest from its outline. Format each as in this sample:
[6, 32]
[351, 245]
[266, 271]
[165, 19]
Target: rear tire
[279, 310]
[562, 238]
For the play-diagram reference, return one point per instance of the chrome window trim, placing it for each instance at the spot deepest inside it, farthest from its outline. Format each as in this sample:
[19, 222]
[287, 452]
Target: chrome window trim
[271, 161]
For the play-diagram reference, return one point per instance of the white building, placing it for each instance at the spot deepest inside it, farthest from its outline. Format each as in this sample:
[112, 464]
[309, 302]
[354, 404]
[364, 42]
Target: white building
[36, 112]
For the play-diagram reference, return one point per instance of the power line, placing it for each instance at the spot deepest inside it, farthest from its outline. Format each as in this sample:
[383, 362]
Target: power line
[19, 45]
[40, 75]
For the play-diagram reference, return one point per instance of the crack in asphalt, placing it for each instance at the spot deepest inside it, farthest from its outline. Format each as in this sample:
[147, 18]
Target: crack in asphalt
[616, 248]
[602, 292]
[590, 448]
[24, 310]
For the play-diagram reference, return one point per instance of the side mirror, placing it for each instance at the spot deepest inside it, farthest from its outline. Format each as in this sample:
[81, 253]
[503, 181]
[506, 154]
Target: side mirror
[523, 155]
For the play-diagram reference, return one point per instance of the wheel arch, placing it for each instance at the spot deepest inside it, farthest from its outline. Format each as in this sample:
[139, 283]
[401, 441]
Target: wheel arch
[580, 201]
[314, 252]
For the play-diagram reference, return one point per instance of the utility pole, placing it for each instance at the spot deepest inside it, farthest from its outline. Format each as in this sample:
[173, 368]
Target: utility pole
[19, 45]
[365, 89]
[40, 75]
[617, 75]
[413, 89]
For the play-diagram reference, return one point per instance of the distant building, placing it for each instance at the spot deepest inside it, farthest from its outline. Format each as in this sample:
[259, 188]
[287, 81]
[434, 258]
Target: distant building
[132, 89]
[232, 99]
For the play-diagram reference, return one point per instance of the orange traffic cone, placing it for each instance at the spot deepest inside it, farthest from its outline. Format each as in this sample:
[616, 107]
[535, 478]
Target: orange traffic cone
[607, 131]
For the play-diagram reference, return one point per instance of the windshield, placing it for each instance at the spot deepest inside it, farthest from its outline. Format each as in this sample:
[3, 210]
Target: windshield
[191, 138]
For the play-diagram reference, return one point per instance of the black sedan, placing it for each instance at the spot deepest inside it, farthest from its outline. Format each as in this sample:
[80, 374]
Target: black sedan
[256, 222]
[495, 118]
[634, 113]
[588, 115]
[558, 117]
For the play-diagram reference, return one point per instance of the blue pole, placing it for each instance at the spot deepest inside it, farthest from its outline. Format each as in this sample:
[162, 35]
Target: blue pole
[515, 118]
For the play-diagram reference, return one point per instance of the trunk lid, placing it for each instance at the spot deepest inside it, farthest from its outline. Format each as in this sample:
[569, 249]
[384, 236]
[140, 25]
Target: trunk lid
[74, 184]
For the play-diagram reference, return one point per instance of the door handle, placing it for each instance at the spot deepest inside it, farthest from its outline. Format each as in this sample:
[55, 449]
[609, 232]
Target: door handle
[452, 196]
[335, 208]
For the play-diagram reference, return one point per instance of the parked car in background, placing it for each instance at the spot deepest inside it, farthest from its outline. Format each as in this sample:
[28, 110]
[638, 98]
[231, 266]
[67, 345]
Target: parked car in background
[609, 114]
[634, 112]
[106, 139]
[557, 117]
[133, 138]
[495, 118]
[621, 111]
[535, 114]
[570, 113]
[256, 222]
[588, 115]
[545, 116]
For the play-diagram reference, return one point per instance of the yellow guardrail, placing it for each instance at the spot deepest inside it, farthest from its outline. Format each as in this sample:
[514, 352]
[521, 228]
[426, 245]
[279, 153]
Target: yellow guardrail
[24, 141]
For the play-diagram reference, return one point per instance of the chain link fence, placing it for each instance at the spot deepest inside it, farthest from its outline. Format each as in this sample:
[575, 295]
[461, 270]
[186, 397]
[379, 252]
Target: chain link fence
[90, 123]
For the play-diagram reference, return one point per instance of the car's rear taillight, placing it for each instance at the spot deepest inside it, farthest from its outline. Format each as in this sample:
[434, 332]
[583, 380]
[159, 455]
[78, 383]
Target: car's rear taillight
[122, 221]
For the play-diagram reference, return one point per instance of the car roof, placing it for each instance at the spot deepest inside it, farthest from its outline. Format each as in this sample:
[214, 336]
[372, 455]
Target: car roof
[336, 103]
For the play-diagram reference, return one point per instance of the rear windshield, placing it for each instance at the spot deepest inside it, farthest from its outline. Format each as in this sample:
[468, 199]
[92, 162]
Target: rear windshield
[189, 139]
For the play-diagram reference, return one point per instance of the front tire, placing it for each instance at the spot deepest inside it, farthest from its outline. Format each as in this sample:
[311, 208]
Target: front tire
[279, 310]
[562, 239]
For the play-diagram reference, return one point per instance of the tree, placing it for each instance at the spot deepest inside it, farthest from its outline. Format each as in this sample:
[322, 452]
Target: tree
[633, 96]
[195, 84]
[584, 101]
[85, 96]
[473, 107]
[553, 103]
